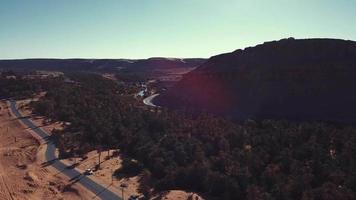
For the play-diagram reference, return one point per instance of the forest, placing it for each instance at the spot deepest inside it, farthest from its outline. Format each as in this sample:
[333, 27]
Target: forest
[15, 85]
[253, 160]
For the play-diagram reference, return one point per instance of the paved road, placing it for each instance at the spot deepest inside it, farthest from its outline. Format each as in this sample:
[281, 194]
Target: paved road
[51, 159]
[148, 100]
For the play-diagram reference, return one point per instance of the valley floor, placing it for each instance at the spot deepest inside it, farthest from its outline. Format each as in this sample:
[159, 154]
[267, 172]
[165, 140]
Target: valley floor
[23, 172]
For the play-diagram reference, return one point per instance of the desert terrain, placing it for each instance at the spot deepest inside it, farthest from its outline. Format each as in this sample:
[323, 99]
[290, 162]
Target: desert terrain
[23, 172]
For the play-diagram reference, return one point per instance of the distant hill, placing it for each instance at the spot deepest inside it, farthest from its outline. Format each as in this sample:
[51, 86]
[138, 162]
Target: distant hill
[296, 79]
[163, 63]
[101, 65]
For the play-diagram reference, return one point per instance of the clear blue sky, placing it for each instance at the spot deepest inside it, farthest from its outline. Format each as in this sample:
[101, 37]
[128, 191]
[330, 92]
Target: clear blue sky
[170, 28]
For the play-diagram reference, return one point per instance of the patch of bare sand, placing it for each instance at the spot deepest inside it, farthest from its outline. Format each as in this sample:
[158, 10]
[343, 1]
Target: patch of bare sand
[108, 164]
[23, 174]
[110, 76]
[177, 195]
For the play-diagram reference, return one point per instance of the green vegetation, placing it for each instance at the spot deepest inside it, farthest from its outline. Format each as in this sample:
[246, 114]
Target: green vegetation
[17, 86]
[248, 160]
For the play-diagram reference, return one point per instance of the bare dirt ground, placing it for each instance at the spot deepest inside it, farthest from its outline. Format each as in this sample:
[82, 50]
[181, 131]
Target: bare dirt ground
[22, 173]
[177, 195]
[108, 165]
[110, 76]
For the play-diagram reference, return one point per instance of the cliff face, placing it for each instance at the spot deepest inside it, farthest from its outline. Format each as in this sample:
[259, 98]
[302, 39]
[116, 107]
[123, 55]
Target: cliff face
[296, 79]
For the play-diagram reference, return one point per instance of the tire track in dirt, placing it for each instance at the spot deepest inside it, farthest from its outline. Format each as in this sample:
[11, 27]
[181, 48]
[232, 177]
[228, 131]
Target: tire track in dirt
[5, 192]
[4, 187]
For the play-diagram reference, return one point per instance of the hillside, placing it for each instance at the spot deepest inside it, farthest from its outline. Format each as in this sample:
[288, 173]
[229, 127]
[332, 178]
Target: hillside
[101, 65]
[296, 79]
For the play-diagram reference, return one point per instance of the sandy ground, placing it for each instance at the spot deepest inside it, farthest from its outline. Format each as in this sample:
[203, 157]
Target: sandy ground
[133, 183]
[107, 168]
[108, 165]
[23, 174]
[110, 76]
[177, 195]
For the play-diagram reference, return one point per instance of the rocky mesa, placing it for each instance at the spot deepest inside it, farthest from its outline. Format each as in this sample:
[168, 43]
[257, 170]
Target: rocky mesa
[309, 79]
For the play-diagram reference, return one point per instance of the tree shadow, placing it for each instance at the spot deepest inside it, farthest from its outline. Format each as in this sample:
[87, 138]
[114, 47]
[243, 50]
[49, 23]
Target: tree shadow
[68, 188]
[129, 168]
[72, 166]
[34, 128]
[100, 192]
[76, 178]
[161, 195]
[19, 118]
[49, 162]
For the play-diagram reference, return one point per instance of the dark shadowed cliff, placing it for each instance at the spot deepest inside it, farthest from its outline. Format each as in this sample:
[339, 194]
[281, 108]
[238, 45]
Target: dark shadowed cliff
[296, 79]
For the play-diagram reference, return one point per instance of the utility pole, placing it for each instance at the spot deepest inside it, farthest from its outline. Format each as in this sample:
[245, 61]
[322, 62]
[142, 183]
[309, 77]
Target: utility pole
[123, 186]
[99, 150]
[75, 160]
[112, 177]
[99, 159]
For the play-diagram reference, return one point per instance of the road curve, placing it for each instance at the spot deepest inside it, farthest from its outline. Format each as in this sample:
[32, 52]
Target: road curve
[99, 190]
[148, 100]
